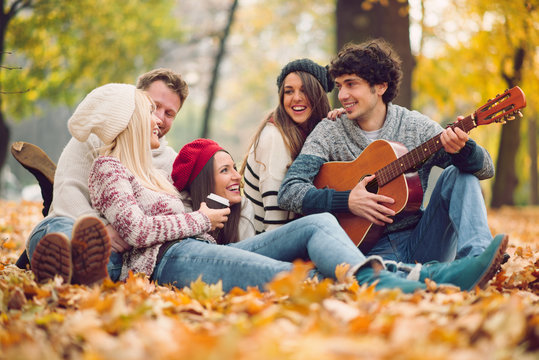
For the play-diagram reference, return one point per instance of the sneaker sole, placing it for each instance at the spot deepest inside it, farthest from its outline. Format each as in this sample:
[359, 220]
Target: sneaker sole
[52, 257]
[494, 265]
[90, 249]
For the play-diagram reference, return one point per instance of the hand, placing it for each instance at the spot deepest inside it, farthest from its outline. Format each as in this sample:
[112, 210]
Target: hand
[218, 217]
[368, 205]
[335, 113]
[117, 243]
[453, 140]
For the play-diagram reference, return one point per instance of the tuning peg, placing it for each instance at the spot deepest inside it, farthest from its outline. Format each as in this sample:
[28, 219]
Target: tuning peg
[510, 117]
[519, 114]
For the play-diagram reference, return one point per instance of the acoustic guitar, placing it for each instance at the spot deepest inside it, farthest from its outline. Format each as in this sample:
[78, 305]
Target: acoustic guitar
[394, 168]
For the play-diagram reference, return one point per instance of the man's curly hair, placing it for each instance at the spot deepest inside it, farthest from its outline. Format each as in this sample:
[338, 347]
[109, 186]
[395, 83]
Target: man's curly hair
[374, 61]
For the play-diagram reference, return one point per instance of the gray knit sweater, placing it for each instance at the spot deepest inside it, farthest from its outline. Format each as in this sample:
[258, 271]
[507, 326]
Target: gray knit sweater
[343, 140]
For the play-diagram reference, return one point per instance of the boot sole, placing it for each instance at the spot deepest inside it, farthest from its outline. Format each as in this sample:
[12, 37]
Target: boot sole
[52, 257]
[495, 264]
[90, 249]
[34, 158]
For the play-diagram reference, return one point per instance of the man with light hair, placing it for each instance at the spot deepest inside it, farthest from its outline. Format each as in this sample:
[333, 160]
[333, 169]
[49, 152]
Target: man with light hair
[71, 199]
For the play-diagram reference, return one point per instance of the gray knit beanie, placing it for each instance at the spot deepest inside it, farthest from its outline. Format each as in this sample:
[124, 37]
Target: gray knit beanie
[319, 72]
[105, 111]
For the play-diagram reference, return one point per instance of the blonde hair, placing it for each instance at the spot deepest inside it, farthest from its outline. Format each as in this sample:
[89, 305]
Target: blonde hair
[132, 147]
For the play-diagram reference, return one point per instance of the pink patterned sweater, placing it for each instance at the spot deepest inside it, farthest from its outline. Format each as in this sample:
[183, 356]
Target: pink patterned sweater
[144, 218]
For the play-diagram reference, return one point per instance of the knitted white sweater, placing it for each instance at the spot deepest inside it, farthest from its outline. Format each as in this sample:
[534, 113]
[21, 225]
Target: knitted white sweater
[265, 170]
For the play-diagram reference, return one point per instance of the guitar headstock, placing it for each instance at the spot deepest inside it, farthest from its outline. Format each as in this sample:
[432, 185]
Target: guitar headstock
[502, 108]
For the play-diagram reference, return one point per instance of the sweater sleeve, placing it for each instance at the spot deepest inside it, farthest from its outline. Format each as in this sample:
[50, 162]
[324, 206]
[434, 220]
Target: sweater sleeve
[474, 159]
[274, 160]
[298, 194]
[246, 226]
[114, 192]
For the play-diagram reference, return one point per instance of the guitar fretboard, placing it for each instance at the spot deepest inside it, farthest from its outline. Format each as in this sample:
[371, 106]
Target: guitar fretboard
[416, 156]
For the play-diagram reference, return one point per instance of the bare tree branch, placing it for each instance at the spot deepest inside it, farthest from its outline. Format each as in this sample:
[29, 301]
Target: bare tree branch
[14, 92]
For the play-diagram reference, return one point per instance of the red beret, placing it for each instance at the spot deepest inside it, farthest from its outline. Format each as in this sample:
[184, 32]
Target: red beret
[190, 161]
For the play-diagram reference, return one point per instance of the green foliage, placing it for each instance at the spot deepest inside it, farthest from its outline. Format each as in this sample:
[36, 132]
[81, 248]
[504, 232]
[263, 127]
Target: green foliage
[470, 67]
[68, 47]
[475, 63]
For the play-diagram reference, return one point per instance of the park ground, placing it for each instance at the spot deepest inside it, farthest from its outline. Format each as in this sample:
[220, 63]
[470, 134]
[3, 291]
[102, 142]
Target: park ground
[290, 319]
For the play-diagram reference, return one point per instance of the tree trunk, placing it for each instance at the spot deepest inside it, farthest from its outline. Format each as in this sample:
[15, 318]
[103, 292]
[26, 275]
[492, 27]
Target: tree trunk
[215, 74]
[506, 180]
[4, 130]
[532, 140]
[6, 14]
[358, 21]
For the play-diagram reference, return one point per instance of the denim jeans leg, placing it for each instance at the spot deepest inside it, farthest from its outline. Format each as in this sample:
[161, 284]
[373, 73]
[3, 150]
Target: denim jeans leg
[318, 238]
[454, 224]
[256, 261]
[46, 226]
[114, 267]
[387, 249]
[189, 259]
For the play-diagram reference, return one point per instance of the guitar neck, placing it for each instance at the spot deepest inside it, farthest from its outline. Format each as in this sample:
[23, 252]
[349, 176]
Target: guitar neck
[413, 158]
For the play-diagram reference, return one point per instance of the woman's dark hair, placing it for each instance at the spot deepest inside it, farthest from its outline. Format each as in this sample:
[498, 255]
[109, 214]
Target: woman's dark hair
[200, 188]
[294, 135]
[374, 61]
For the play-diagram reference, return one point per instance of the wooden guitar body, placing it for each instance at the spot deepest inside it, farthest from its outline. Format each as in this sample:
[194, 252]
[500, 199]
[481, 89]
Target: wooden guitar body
[344, 175]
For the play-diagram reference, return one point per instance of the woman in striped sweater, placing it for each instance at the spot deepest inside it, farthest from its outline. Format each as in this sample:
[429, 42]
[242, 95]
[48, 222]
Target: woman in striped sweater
[303, 103]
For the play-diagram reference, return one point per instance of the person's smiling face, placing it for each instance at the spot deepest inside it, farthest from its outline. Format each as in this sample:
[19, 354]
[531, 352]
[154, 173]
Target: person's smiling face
[167, 104]
[226, 178]
[295, 100]
[359, 99]
[154, 140]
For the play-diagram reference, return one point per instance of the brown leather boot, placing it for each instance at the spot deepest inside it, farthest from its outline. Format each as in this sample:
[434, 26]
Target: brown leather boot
[32, 158]
[52, 257]
[90, 251]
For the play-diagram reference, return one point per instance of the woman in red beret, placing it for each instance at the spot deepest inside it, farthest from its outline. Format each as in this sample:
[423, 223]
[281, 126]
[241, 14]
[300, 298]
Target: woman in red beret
[194, 171]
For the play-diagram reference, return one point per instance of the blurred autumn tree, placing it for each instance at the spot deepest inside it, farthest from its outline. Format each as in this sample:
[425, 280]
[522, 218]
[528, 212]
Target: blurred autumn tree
[358, 21]
[486, 47]
[223, 37]
[64, 48]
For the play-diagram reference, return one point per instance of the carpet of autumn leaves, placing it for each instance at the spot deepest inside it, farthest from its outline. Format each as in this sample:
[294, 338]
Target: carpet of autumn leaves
[291, 319]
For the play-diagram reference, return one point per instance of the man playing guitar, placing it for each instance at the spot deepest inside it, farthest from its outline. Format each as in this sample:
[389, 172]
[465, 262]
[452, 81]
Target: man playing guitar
[454, 225]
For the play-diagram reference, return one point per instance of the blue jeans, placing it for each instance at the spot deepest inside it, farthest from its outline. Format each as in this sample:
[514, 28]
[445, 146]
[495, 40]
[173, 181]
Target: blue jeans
[46, 226]
[256, 261]
[454, 224]
[65, 225]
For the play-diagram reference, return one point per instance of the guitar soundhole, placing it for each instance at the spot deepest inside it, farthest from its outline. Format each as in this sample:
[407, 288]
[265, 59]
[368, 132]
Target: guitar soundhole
[372, 186]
